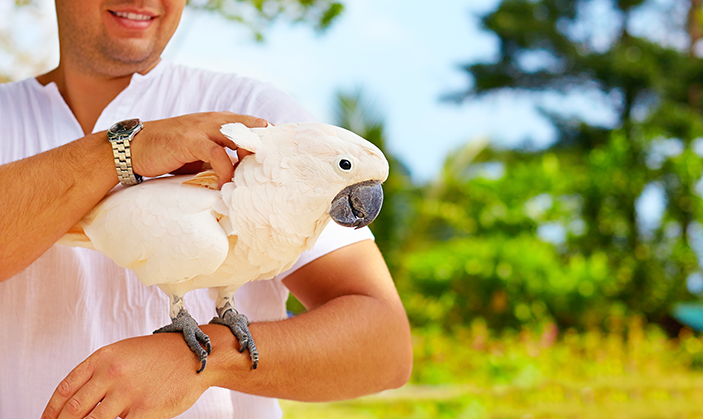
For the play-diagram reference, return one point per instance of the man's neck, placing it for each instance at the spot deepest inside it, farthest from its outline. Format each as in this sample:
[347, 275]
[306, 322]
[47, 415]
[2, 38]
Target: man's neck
[86, 95]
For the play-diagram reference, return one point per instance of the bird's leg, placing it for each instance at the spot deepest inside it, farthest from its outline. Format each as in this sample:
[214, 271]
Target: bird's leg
[181, 321]
[237, 323]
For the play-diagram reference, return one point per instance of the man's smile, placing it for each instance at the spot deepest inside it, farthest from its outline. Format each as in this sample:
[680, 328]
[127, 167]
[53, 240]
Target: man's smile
[132, 16]
[133, 20]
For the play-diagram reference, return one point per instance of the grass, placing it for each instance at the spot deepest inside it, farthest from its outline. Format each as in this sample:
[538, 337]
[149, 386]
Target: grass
[631, 371]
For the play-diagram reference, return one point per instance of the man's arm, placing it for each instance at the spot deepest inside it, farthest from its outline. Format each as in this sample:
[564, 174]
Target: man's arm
[43, 196]
[355, 340]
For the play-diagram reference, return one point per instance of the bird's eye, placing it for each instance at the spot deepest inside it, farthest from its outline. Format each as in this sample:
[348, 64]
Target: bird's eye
[345, 164]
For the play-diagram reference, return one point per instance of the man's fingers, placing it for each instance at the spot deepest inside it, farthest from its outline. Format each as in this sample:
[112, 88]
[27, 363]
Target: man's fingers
[220, 139]
[221, 164]
[192, 167]
[107, 409]
[65, 390]
[241, 153]
[84, 401]
[171, 145]
[248, 120]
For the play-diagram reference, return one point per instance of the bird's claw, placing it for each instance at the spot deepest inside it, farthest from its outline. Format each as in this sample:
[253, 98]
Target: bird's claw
[193, 336]
[239, 325]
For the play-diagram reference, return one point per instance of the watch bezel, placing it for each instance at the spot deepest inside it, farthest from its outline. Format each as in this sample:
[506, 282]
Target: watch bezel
[125, 128]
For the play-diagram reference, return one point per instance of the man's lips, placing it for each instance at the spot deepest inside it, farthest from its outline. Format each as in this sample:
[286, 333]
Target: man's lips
[132, 20]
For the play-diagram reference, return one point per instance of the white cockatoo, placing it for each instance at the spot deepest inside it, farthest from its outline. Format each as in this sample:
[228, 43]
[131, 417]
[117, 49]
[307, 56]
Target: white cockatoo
[182, 233]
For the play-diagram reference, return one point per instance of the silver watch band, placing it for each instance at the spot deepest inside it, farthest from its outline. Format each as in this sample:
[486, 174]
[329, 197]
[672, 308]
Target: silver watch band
[120, 135]
[123, 162]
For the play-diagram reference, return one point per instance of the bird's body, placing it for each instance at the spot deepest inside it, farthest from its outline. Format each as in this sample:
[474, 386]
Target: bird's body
[181, 233]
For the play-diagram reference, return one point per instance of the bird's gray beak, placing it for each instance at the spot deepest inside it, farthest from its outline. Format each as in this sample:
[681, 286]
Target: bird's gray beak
[357, 205]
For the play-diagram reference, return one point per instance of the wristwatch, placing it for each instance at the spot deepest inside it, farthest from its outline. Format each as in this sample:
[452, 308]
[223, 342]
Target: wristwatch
[120, 136]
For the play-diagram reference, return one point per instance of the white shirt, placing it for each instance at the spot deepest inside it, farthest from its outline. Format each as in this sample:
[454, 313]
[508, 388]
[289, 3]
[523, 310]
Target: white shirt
[72, 301]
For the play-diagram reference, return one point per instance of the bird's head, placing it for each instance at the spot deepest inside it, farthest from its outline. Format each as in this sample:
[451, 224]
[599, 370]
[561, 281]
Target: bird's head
[324, 165]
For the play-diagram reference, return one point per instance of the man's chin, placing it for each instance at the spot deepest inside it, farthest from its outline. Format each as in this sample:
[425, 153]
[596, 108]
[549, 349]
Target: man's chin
[131, 56]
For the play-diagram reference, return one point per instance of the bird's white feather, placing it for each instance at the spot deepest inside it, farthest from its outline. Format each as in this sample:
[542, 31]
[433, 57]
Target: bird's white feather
[242, 136]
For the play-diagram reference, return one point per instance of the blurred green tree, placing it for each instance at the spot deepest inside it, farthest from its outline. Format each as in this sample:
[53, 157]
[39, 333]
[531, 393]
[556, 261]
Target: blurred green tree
[520, 236]
[393, 225]
[257, 14]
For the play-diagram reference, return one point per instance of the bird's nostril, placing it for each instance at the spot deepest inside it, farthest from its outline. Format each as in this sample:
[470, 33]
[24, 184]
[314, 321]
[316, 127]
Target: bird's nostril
[357, 207]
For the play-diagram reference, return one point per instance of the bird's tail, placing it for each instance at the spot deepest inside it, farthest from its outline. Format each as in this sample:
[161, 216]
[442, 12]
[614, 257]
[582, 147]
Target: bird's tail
[76, 237]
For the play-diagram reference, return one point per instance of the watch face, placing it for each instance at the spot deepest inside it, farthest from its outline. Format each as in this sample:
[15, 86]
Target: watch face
[124, 126]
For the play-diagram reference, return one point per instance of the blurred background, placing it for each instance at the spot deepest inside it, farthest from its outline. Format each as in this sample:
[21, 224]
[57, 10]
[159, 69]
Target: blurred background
[543, 218]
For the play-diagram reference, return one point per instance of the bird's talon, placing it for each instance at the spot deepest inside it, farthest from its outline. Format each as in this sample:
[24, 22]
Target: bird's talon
[192, 335]
[239, 325]
[203, 363]
[205, 342]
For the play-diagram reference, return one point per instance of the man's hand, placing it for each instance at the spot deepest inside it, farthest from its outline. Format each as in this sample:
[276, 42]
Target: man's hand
[181, 144]
[145, 377]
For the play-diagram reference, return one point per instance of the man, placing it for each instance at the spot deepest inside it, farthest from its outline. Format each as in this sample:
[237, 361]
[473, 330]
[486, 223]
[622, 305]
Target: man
[60, 306]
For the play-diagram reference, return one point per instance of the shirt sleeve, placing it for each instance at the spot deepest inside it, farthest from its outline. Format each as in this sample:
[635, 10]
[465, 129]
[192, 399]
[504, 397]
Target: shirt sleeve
[275, 106]
[333, 237]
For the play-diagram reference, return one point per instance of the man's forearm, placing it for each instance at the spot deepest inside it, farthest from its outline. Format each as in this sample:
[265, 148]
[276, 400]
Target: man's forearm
[351, 346]
[43, 196]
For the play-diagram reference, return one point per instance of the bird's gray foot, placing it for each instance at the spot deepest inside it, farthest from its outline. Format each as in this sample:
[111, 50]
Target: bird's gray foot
[194, 337]
[239, 325]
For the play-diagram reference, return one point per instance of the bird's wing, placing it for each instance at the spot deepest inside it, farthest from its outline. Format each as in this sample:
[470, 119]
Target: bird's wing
[163, 230]
[206, 179]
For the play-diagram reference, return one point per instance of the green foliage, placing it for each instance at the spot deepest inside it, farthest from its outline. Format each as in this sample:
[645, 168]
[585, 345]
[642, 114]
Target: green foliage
[625, 348]
[477, 251]
[258, 14]
[630, 370]
[521, 236]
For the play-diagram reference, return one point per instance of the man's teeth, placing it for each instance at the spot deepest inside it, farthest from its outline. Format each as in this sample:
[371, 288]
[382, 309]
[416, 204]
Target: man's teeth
[132, 16]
